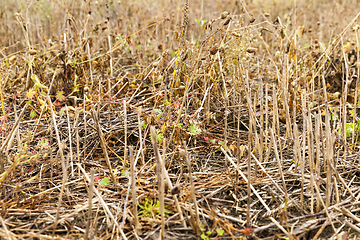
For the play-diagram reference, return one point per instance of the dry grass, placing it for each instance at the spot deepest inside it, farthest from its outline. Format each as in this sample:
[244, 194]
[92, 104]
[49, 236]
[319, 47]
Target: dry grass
[141, 120]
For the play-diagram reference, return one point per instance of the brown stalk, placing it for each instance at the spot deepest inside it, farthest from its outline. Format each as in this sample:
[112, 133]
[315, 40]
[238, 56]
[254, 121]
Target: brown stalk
[302, 159]
[168, 181]
[267, 173]
[318, 152]
[3, 159]
[9, 139]
[344, 98]
[356, 87]
[342, 180]
[91, 191]
[285, 87]
[328, 158]
[321, 229]
[310, 141]
[185, 155]
[325, 207]
[160, 176]
[103, 203]
[133, 188]
[70, 143]
[103, 145]
[279, 164]
[90, 64]
[86, 89]
[77, 132]
[261, 138]
[63, 164]
[352, 226]
[140, 138]
[266, 113]
[255, 192]
[248, 215]
[337, 195]
[6, 230]
[125, 126]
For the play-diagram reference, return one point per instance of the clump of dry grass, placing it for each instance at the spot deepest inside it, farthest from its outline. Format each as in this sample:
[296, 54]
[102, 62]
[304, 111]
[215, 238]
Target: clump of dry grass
[144, 120]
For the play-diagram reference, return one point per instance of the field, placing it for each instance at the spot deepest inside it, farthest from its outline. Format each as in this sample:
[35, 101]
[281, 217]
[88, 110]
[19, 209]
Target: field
[179, 119]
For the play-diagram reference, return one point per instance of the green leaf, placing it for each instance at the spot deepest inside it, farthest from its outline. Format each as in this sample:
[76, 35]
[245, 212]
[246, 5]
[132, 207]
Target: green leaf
[220, 232]
[143, 125]
[159, 137]
[37, 82]
[351, 113]
[62, 111]
[32, 114]
[60, 96]
[76, 89]
[203, 236]
[105, 181]
[158, 112]
[194, 129]
[125, 173]
[31, 93]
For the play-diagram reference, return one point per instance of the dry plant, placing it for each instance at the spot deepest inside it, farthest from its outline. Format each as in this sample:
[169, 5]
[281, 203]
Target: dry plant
[179, 119]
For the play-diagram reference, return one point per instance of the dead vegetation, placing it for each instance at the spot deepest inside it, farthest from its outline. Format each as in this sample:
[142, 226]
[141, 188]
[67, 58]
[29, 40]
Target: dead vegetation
[179, 120]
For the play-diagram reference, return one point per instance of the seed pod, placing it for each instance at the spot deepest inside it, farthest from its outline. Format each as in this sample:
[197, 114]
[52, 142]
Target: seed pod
[128, 39]
[227, 20]
[302, 30]
[282, 33]
[175, 190]
[277, 55]
[184, 57]
[165, 53]
[32, 51]
[251, 50]
[224, 14]
[12, 58]
[214, 50]
[235, 34]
